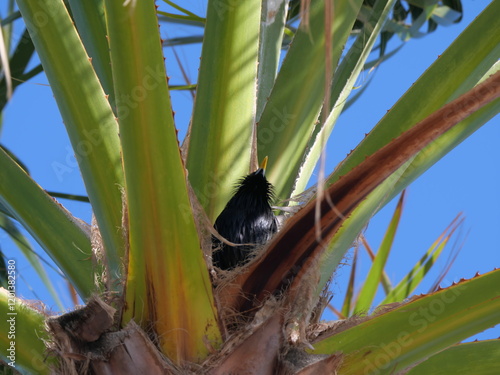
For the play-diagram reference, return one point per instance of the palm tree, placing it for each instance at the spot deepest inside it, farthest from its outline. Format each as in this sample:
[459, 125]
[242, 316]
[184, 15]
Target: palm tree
[154, 302]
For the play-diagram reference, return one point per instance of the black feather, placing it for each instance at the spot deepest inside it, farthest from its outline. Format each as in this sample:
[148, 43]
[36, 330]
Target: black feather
[246, 219]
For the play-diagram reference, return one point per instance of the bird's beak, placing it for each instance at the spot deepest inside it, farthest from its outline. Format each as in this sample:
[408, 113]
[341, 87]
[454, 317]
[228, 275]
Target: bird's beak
[263, 165]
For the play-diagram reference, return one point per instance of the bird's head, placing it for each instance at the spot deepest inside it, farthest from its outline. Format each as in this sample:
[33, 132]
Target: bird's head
[254, 188]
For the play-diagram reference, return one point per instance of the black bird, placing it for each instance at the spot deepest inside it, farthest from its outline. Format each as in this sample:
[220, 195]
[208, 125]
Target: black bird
[246, 219]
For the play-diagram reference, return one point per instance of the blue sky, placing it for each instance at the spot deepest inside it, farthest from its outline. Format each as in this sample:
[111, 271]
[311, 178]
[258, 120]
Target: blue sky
[467, 180]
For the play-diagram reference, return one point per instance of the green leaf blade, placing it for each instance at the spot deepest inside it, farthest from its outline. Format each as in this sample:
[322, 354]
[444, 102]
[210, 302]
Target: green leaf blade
[343, 83]
[370, 286]
[86, 113]
[396, 339]
[469, 59]
[410, 282]
[89, 19]
[479, 358]
[28, 326]
[456, 71]
[22, 243]
[62, 237]
[292, 110]
[167, 275]
[222, 129]
[271, 36]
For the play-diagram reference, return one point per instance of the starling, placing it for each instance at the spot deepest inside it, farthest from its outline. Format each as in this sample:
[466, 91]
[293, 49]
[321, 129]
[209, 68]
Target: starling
[246, 219]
